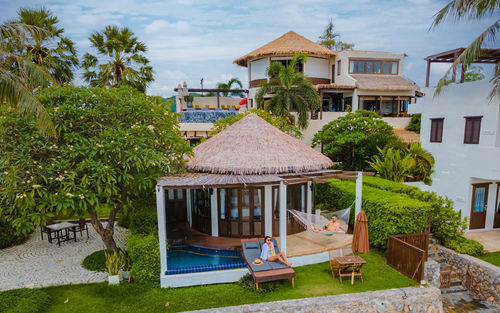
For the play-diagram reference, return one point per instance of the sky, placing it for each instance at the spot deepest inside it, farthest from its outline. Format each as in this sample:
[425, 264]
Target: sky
[188, 40]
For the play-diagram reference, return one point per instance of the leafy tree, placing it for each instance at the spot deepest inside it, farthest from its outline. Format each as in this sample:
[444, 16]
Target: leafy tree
[414, 124]
[330, 39]
[473, 73]
[49, 49]
[111, 144]
[229, 85]
[353, 139]
[288, 90]
[472, 10]
[19, 77]
[122, 60]
[284, 124]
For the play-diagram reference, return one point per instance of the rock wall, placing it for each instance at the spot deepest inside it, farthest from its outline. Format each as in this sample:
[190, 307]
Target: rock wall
[432, 272]
[484, 277]
[411, 299]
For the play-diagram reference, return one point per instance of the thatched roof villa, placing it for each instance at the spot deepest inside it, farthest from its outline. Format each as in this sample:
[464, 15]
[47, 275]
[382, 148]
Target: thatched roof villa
[239, 184]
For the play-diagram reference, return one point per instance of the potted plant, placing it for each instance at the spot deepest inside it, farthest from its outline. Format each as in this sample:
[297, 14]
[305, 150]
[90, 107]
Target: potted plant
[126, 265]
[115, 261]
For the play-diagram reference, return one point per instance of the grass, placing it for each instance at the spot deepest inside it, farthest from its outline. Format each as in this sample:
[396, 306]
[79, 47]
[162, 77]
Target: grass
[95, 261]
[310, 281]
[491, 257]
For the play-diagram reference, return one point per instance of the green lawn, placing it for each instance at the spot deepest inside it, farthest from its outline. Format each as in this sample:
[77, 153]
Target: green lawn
[492, 257]
[310, 281]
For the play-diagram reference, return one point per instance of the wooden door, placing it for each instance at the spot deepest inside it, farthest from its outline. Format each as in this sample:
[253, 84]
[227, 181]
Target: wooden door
[496, 223]
[478, 206]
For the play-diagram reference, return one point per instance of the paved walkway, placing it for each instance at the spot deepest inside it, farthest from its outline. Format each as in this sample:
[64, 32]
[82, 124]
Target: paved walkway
[489, 239]
[38, 263]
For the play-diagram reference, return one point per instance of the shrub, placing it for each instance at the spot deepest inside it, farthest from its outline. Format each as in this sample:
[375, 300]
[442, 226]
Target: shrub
[248, 283]
[95, 261]
[388, 212]
[144, 252]
[464, 245]
[414, 124]
[23, 301]
[143, 222]
[8, 236]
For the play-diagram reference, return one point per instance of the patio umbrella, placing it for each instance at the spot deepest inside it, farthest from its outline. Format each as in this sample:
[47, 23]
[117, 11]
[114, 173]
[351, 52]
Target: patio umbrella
[360, 242]
[243, 101]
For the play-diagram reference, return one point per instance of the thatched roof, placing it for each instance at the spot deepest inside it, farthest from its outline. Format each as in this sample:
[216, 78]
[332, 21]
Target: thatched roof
[384, 82]
[406, 135]
[288, 44]
[252, 146]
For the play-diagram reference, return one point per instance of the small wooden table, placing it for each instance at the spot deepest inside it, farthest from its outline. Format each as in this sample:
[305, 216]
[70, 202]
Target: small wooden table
[62, 232]
[353, 261]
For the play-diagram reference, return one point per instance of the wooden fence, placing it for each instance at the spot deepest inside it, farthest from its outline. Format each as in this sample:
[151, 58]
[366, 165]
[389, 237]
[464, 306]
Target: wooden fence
[408, 253]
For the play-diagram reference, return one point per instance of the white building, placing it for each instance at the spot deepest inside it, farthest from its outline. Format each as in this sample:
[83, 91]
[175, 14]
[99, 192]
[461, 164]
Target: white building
[461, 128]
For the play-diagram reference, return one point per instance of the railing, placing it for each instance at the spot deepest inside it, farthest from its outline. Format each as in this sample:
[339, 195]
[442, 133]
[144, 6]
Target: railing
[408, 253]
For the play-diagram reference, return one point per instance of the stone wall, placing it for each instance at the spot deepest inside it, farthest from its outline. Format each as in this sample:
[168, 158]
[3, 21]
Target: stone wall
[411, 299]
[432, 272]
[485, 277]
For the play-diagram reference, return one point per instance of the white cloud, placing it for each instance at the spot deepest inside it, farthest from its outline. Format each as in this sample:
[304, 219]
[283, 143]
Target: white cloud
[162, 27]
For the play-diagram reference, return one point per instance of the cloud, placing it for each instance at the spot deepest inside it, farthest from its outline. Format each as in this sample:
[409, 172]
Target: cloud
[164, 27]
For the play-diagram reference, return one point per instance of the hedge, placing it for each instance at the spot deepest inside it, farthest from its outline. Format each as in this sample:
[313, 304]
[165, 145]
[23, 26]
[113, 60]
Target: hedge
[144, 252]
[388, 212]
[143, 222]
[24, 301]
[8, 236]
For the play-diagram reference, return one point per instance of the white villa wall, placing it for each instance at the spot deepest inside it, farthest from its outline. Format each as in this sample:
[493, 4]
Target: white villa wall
[258, 68]
[316, 67]
[458, 165]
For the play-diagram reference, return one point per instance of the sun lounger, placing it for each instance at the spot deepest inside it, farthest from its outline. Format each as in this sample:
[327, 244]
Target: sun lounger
[267, 271]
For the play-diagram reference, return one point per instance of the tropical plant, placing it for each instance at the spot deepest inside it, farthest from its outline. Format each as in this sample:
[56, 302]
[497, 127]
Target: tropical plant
[471, 10]
[229, 85]
[288, 90]
[422, 163]
[353, 139]
[286, 125]
[19, 77]
[115, 261]
[122, 60]
[392, 164]
[329, 39]
[474, 73]
[49, 49]
[414, 124]
[111, 146]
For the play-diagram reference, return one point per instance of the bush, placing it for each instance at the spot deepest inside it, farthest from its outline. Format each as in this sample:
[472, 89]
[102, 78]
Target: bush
[388, 212]
[95, 261]
[8, 236]
[248, 283]
[414, 124]
[465, 246]
[23, 301]
[144, 252]
[143, 222]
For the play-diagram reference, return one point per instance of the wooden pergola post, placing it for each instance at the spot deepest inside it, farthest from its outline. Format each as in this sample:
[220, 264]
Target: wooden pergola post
[428, 73]
[283, 216]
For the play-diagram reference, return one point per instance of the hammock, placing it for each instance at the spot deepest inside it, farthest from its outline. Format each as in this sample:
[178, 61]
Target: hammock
[319, 221]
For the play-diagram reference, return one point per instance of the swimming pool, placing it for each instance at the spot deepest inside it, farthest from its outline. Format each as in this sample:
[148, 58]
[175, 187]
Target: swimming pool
[189, 259]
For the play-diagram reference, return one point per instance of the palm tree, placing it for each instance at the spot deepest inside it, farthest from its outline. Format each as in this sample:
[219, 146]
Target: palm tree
[19, 77]
[422, 161]
[471, 10]
[228, 86]
[288, 90]
[122, 63]
[48, 49]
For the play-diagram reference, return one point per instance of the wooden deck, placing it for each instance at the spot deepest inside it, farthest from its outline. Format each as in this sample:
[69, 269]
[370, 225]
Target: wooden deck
[299, 244]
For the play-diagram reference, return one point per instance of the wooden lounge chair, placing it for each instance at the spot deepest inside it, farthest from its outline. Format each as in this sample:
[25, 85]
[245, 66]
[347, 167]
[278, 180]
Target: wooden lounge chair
[268, 271]
[333, 253]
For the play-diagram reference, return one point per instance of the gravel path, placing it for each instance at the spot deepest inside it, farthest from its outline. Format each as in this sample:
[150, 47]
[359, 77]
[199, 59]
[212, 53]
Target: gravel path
[38, 263]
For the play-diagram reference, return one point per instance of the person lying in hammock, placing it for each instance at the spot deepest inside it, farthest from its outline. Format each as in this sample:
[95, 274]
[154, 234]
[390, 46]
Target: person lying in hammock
[269, 253]
[332, 226]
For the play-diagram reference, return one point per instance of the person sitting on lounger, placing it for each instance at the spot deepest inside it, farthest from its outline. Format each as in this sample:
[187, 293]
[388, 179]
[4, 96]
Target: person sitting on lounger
[269, 253]
[333, 225]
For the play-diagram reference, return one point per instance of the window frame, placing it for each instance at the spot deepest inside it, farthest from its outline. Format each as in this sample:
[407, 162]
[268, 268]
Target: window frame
[469, 127]
[372, 61]
[338, 67]
[436, 133]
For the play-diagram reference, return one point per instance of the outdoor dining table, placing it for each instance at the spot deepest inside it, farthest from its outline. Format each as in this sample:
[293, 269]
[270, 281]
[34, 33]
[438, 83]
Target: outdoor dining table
[62, 232]
[346, 262]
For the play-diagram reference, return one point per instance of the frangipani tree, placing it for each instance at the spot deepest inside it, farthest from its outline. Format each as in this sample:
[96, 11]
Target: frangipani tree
[111, 144]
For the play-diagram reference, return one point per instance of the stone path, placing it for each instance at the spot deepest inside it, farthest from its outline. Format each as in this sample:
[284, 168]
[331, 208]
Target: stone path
[38, 263]
[463, 302]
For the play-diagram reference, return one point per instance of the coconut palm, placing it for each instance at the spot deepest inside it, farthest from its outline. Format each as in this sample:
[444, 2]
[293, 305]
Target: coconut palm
[122, 61]
[48, 49]
[288, 90]
[229, 85]
[20, 78]
[471, 10]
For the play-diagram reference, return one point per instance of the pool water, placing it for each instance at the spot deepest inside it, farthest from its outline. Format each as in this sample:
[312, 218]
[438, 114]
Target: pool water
[188, 259]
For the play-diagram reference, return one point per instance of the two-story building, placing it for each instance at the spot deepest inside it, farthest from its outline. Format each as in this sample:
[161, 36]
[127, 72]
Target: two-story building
[461, 128]
[347, 80]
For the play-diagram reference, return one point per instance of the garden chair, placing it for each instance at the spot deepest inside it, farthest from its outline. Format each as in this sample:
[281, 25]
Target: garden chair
[82, 226]
[333, 253]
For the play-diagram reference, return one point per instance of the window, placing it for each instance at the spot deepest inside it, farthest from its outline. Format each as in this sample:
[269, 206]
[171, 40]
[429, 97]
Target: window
[352, 67]
[376, 67]
[369, 67]
[299, 67]
[472, 129]
[437, 129]
[373, 66]
[338, 67]
[387, 66]
[361, 66]
[394, 67]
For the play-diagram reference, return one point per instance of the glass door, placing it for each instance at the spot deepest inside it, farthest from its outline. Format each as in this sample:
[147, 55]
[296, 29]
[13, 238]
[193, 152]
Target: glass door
[479, 206]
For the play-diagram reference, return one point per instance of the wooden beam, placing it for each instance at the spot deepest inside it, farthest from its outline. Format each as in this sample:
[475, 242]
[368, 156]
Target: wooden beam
[218, 100]
[215, 90]
[428, 72]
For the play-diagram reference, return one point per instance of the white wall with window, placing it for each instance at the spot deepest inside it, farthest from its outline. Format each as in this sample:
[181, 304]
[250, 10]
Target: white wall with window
[318, 68]
[466, 148]
[258, 68]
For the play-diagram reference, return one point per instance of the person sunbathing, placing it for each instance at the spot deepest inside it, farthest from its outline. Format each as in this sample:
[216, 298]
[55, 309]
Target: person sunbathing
[269, 253]
[332, 226]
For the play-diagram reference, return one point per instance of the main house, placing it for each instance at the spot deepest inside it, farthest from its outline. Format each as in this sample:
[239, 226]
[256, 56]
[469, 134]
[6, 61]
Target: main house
[346, 80]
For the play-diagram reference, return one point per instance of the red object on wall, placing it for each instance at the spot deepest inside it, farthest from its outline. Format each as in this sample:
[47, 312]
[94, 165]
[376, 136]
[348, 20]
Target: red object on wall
[243, 101]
